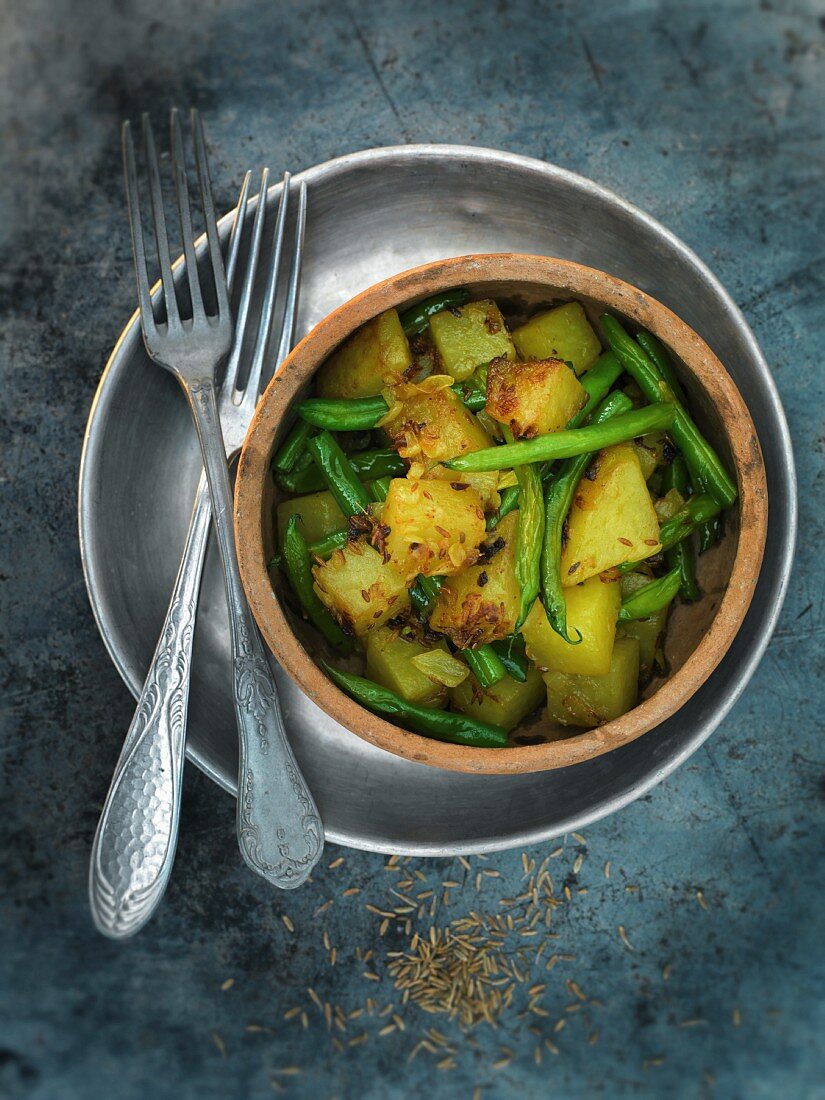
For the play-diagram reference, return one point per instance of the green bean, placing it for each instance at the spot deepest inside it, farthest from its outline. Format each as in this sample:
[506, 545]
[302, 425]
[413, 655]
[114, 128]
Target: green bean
[529, 534]
[366, 465]
[652, 598]
[681, 556]
[415, 319]
[710, 533]
[567, 443]
[597, 381]
[326, 547]
[656, 350]
[298, 569]
[473, 390]
[424, 593]
[557, 503]
[338, 414]
[706, 470]
[485, 664]
[459, 729]
[696, 511]
[512, 656]
[294, 445]
[379, 488]
[509, 501]
[342, 482]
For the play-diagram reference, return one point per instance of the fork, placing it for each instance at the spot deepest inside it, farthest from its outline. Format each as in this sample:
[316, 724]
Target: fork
[280, 833]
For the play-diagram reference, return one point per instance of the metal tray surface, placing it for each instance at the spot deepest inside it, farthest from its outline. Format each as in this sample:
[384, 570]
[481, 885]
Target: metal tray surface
[370, 215]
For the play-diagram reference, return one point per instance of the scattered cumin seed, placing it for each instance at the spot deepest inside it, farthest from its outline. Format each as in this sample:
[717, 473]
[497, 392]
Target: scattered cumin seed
[323, 908]
[695, 1021]
[624, 939]
[370, 976]
[227, 984]
[291, 1013]
[551, 1046]
[219, 1043]
[700, 897]
[666, 971]
[290, 927]
[577, 864]
[358, 1040]
[304, 1020]
[592, 1038]
[737, 1017]
[351, 892]
[607, 869]
[336, 863]
[288, 1071]
[579, 837]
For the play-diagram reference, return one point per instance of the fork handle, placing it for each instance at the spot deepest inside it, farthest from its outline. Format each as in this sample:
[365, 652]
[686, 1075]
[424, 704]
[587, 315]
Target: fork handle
[134, 846]
[279, 830]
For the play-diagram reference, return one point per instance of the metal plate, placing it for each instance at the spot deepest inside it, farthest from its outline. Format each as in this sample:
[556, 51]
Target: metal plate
[371, 215]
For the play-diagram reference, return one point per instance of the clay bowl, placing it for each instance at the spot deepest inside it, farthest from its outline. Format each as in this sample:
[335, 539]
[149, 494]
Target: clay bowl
[698, 635]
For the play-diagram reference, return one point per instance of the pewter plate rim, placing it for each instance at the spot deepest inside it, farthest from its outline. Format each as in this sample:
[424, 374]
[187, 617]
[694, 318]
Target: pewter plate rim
[747, 666]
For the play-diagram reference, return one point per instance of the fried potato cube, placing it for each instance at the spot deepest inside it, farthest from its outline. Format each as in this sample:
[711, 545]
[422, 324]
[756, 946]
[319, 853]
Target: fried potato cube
[434, 425]
[560, 333]
[505, 704]
[589, 701]
[593, 610]
[612, 519]
[431, 527]
[319, 514]
[390, 663]
[374, 357]
[360, 589]
[481, 603]
[535, 397]
[470, 335]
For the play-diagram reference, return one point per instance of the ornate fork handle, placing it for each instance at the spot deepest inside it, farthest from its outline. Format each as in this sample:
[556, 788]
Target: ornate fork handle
[279, 830]
[134, 846]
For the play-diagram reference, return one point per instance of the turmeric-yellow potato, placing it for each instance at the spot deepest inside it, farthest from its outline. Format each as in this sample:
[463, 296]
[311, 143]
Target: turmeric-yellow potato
[390, 663]
[611, 520]
[481, 603]
[319, 514]
[505, 704]
[589, 701]
[560, 333]
[535, 397]
[431, 527]
[360, 589]
[432, 424]
[470, 335]
[592, 609]
[376, 356]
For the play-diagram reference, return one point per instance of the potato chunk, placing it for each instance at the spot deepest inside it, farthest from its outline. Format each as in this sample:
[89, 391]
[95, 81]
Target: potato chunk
[589, 701]
[376, 356]
[505, 704]
[433, 425]
[560, 333]
[469, 336]
[592, 609]
[612, 519]
[319, 514]
[533, 398]
[390, 663]
[481, 603]
[360, 589]
[433, 528]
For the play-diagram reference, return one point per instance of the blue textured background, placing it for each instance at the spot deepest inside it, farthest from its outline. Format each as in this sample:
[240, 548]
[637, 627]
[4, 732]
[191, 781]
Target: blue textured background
[708, 115]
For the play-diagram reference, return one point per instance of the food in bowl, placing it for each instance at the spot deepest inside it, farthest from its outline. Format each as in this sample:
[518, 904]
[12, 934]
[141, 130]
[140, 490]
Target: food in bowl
[496, 513]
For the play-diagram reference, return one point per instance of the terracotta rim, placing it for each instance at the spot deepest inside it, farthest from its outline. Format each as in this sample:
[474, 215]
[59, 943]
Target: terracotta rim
[558, 275]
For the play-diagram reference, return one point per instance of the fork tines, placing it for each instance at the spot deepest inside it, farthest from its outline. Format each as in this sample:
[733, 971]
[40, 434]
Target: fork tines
[199, 310]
